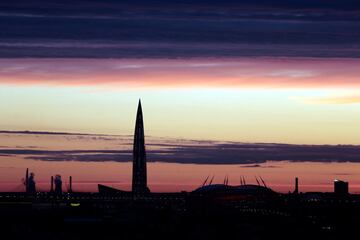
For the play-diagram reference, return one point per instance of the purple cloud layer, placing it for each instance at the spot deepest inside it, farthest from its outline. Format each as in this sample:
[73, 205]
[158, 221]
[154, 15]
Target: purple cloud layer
[190, 151]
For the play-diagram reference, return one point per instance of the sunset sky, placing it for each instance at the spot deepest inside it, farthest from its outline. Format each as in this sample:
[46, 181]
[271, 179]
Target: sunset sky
[225, 71]
[312, 101]
[228, 88]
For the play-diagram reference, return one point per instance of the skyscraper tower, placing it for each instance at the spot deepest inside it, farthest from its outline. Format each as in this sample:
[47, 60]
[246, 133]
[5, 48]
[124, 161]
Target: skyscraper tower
[139, 178]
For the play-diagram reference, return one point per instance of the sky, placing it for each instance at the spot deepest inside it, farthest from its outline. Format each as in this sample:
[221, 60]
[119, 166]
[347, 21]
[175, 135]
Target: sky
[255, 71]
[173, 164]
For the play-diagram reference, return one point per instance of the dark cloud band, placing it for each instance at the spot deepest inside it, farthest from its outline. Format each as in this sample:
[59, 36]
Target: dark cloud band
[180, 29]
[216, 153]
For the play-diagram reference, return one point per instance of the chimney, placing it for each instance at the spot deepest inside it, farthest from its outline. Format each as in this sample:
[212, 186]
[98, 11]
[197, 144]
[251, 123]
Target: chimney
[70, 184]
[296, 191]
[27, 180]
[52, 184]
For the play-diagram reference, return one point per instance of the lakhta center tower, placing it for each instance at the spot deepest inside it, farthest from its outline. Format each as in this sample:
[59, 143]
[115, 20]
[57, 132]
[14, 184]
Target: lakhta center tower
[139, 178]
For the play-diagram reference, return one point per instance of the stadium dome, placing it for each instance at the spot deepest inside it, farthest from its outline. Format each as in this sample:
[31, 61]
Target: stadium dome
[246, 189]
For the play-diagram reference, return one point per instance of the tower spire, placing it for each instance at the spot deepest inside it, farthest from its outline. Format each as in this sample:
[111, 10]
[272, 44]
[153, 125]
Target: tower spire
[139, 179]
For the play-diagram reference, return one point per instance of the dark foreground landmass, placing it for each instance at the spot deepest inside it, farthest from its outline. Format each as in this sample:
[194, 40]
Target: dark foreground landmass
[178, 216]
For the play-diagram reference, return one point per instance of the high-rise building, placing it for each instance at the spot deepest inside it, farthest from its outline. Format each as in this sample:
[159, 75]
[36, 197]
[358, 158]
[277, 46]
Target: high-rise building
[139, 178]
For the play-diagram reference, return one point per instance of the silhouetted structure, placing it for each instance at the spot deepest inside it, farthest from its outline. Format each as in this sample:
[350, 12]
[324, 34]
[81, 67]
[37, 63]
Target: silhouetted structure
[70, 184]
[341, 187]
[212, 211]
[296, 191]
[31, 187]
[106, 190]
[223, 192]
[58, 184]
[27, 180]
[52, 184]
[139, 179]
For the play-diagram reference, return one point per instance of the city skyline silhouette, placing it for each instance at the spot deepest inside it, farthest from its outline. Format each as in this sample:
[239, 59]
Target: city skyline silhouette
[247, 127]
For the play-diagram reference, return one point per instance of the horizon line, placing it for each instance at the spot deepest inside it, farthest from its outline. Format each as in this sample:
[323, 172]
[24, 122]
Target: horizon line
[34, 132]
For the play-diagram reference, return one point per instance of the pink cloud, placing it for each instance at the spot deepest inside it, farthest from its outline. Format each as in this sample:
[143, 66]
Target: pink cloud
[174, 73]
